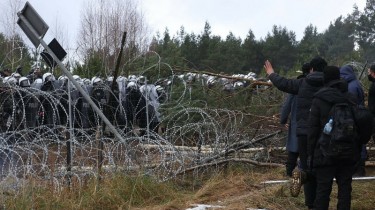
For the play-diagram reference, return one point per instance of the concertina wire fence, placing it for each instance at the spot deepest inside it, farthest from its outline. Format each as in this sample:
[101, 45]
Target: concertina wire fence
[201, 122]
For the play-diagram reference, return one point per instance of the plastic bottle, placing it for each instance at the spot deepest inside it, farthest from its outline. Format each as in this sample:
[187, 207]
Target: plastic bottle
[328, 127]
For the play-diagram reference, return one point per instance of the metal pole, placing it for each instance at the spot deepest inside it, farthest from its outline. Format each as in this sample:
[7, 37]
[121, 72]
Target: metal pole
[68, 156]
[364, 178]
[75, 83]
[100, 151]
[71, 135]
[147, 114]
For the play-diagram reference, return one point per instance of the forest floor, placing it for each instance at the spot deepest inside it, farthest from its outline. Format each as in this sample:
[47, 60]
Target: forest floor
[245, 189]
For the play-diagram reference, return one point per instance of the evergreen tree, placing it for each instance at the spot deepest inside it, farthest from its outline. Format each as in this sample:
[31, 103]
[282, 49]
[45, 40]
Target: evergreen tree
[281, 48]
[252, 54]
[169, 49]
[203, 46]
[189, 50]
[308, 46]
[337, 43]
[229, 60]
[216, 57]
[366, 31]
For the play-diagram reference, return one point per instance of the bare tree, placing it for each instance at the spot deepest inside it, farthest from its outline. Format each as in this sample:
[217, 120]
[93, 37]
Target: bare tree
[9, 17]
[102, 25]
[8, 20]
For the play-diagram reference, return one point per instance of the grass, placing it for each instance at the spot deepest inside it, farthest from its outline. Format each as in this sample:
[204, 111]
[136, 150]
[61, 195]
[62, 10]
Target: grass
[236, 186]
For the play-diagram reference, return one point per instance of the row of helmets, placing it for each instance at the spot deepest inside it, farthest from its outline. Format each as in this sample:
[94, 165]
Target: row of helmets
[12, 79]
[130, 82]
[17, 79]
[210, 80]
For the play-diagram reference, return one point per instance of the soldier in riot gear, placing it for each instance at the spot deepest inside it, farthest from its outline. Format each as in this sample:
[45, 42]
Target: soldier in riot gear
[30, 102]
[84, 114]
[99, 96]
[113, 106]
[49, 113]
[151, 112]
[134, 105]
[8, 104]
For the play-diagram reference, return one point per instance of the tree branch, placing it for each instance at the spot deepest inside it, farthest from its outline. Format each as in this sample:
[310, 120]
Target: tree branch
[241, 160]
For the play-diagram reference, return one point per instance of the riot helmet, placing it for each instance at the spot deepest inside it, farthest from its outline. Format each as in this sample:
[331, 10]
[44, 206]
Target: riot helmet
[48, 77]
[24, 82]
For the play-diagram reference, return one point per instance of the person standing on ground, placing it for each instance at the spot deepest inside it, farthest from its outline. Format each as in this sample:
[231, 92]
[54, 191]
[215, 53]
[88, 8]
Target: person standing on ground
[355, 88]
[304, 89]
[289, 111]
[325, 165]
[371, 92]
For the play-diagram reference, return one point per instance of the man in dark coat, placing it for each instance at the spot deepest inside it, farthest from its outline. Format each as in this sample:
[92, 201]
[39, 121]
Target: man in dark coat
[371, 91]
[327, 168]
[304, 88]
[289, 111]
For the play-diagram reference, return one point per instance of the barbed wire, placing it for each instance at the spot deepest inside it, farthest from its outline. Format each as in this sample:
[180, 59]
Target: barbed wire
[201, 124]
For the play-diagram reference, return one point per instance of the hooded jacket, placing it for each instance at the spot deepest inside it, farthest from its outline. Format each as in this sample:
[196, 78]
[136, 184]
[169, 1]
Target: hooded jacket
[354, 87]
[304, 88]
[335, 91]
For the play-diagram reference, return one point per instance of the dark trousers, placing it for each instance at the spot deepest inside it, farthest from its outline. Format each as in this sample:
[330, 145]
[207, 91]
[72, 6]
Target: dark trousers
[309, 187]
[342, 171]
[302, 148]
[291, 162]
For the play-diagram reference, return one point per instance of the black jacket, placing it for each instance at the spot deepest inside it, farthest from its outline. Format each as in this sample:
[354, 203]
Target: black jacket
[371, 96]
[304, 88]
[334, 92]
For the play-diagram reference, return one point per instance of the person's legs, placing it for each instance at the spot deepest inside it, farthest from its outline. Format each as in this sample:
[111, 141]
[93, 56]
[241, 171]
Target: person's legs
[360, 169]
[324, 181]
[310, 185]
[291, 163]
[309, 188]
[344, 183]
[302, 148]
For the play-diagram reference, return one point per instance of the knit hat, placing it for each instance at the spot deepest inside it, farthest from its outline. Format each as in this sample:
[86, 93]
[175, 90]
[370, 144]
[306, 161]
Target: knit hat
[318, 64]
[306, 67]
[331, 73]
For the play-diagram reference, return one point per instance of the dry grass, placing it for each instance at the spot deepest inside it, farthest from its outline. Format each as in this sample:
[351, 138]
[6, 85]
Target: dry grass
[235, 187]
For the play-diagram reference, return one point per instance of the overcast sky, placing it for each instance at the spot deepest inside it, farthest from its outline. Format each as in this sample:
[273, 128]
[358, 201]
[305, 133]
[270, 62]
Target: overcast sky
[236, 16]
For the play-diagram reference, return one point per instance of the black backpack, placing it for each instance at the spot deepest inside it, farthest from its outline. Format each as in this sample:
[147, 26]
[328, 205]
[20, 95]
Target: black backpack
[341, 141]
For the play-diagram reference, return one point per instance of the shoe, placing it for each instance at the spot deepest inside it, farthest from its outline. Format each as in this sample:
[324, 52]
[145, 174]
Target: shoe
[298, 179]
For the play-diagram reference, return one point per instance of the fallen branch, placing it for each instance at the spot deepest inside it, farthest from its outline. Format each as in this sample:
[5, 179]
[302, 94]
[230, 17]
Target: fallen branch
[252, 85]
[241, 160]
[238, 146]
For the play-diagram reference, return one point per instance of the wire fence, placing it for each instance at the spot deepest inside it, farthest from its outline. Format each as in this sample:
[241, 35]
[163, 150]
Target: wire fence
[50, 133]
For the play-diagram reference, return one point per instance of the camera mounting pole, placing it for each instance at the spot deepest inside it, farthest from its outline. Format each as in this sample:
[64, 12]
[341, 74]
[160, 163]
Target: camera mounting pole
[35, 28]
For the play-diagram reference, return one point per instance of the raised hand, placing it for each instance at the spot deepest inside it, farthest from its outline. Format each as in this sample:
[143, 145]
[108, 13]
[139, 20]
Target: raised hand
[268, 67]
